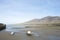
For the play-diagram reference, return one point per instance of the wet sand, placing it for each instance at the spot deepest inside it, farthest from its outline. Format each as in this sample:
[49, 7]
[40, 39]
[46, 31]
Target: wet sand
[41, 34]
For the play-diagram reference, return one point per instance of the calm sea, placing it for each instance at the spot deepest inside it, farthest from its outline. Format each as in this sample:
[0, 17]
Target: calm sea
[14, 28]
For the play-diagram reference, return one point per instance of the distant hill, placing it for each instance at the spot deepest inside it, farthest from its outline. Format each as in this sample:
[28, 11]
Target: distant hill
[49, 20]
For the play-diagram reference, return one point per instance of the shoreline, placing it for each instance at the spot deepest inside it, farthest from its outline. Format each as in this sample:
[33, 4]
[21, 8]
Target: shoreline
[45, 34]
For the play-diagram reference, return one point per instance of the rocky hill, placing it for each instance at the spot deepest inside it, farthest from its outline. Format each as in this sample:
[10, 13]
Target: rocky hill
[49, 20]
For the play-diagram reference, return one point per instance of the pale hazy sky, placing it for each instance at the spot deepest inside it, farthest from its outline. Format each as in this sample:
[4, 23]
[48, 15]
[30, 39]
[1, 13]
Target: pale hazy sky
[18, 11]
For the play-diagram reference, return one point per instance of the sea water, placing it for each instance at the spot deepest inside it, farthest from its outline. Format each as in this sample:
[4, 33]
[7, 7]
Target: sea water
[14, 28]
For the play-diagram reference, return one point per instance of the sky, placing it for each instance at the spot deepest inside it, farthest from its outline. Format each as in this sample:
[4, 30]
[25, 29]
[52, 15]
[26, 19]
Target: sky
[19, 11]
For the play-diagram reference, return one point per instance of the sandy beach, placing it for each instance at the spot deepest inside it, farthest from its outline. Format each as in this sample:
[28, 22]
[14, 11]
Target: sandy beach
[5, 35]
[46, 34]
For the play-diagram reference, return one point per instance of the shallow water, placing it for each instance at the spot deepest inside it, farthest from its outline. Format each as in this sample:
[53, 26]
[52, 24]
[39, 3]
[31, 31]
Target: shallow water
[44, 37]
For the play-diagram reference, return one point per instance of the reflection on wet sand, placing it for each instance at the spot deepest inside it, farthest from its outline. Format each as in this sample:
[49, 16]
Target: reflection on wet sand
[46, 34]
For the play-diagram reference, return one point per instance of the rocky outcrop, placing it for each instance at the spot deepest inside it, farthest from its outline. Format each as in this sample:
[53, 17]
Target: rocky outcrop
[2, 26]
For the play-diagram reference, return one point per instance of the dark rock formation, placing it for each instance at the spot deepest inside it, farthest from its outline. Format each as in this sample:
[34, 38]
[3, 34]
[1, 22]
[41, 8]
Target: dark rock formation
[2, 26]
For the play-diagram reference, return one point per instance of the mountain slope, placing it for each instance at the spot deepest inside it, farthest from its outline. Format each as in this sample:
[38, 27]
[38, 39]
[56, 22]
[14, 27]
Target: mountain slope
[45, 20]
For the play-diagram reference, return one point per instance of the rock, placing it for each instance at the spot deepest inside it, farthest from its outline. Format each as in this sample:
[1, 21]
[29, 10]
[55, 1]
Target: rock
[2, 26]
[12, 33]
[29, 33]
